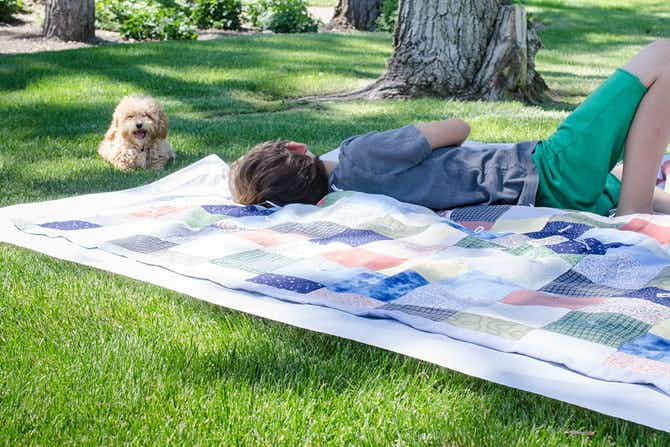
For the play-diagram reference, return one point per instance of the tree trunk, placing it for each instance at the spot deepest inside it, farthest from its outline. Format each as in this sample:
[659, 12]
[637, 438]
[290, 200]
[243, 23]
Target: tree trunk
[357, 14]
[467, 49]
[70, 20]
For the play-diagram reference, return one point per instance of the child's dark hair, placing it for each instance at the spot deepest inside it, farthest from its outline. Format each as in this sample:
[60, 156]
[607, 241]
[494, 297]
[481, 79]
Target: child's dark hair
[271, 172]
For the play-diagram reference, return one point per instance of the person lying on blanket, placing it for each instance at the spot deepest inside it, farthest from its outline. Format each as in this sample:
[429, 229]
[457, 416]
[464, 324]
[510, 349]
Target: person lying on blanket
[627, 117]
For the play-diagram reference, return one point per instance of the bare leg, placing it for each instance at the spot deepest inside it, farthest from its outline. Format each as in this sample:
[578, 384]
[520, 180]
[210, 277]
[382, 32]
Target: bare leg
[649, 132]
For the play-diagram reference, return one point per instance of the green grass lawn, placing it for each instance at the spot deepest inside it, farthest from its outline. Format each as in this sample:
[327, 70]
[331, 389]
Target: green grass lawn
[87, 357]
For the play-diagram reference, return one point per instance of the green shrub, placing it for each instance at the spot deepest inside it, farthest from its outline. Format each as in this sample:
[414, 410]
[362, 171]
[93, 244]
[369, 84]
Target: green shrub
[145, 19]
[387, 15]
[222, 14]
[164, 24]
[8, 8]
[282, 16]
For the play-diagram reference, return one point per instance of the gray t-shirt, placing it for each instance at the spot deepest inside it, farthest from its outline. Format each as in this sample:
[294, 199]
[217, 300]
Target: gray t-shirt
[401, 163]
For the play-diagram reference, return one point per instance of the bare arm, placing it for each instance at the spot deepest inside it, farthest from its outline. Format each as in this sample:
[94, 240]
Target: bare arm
[660, 200]
[451, 132]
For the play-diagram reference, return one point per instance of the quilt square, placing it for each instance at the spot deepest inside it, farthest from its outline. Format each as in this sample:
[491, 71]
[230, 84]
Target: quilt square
[360, 284]
[318, 229]
[661, 280]
[605, 328]
[269, 238]
[658, 232]
[637, 364]
[662, 329]
[531, 251]
[159, 211]
[584, 219]
[521, 271]
[489, 325]
[239, 211]
[532, 316]
[648, 346]
[343, 299]
[478, 288]
[351, 237]
[433, 269]
[402, 249]
[390, 227]
[199, 218]
[257, 261]
[512, 240]
[475, 242]
[70, 225]
[319, 269]
[588, 246]
[576, 284]
[360, 257]
[569, 230]
[216, 245]
[431, 313]
[489, 213]
[438, 234]
[477, 225]
[291, 283]
[533, 298]
[143, 244]
[632, 268]
[640, 309]
[434, 296]
[397, 285]
[653, 294]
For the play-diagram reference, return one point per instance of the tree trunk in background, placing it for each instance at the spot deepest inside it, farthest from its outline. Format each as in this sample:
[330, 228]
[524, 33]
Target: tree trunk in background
[357, 14]
[469, 49]
[70, 20]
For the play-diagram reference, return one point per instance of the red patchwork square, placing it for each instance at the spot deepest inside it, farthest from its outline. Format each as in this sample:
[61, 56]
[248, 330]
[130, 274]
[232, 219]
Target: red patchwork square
[268, 238]
[360, 257]
[661, 234]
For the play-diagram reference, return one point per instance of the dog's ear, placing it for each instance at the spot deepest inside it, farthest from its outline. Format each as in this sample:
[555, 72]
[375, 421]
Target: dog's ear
[111, 132]
[163, 124]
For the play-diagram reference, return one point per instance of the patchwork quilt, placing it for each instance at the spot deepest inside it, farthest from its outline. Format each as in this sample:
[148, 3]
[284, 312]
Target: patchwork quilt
[577, 289]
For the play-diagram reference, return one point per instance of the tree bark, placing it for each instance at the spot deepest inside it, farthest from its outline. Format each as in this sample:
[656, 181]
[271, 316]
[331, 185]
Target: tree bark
[466, 49]
[356, 14]
[70, 20]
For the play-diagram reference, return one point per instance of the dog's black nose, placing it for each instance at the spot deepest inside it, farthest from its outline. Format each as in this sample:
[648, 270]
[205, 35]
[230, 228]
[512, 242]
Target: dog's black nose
[138, 125]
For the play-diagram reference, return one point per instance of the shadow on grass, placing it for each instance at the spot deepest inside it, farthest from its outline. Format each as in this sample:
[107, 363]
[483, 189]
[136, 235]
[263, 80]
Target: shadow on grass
[573, 27]
[261, 59]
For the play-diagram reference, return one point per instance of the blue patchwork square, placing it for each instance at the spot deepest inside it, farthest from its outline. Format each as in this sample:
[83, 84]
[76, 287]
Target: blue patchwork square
[239, 211]
[143, 244]
[70, 225]
[588, 246]
[569, 230]
[397, 285]
[285, 282]
[352, 237]
[648, 346]
[489, 213]
[653, 294]
[360, 284]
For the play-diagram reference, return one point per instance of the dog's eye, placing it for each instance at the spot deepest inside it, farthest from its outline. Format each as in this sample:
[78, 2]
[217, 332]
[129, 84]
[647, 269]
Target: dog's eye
[142, 150]
[130, 117]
